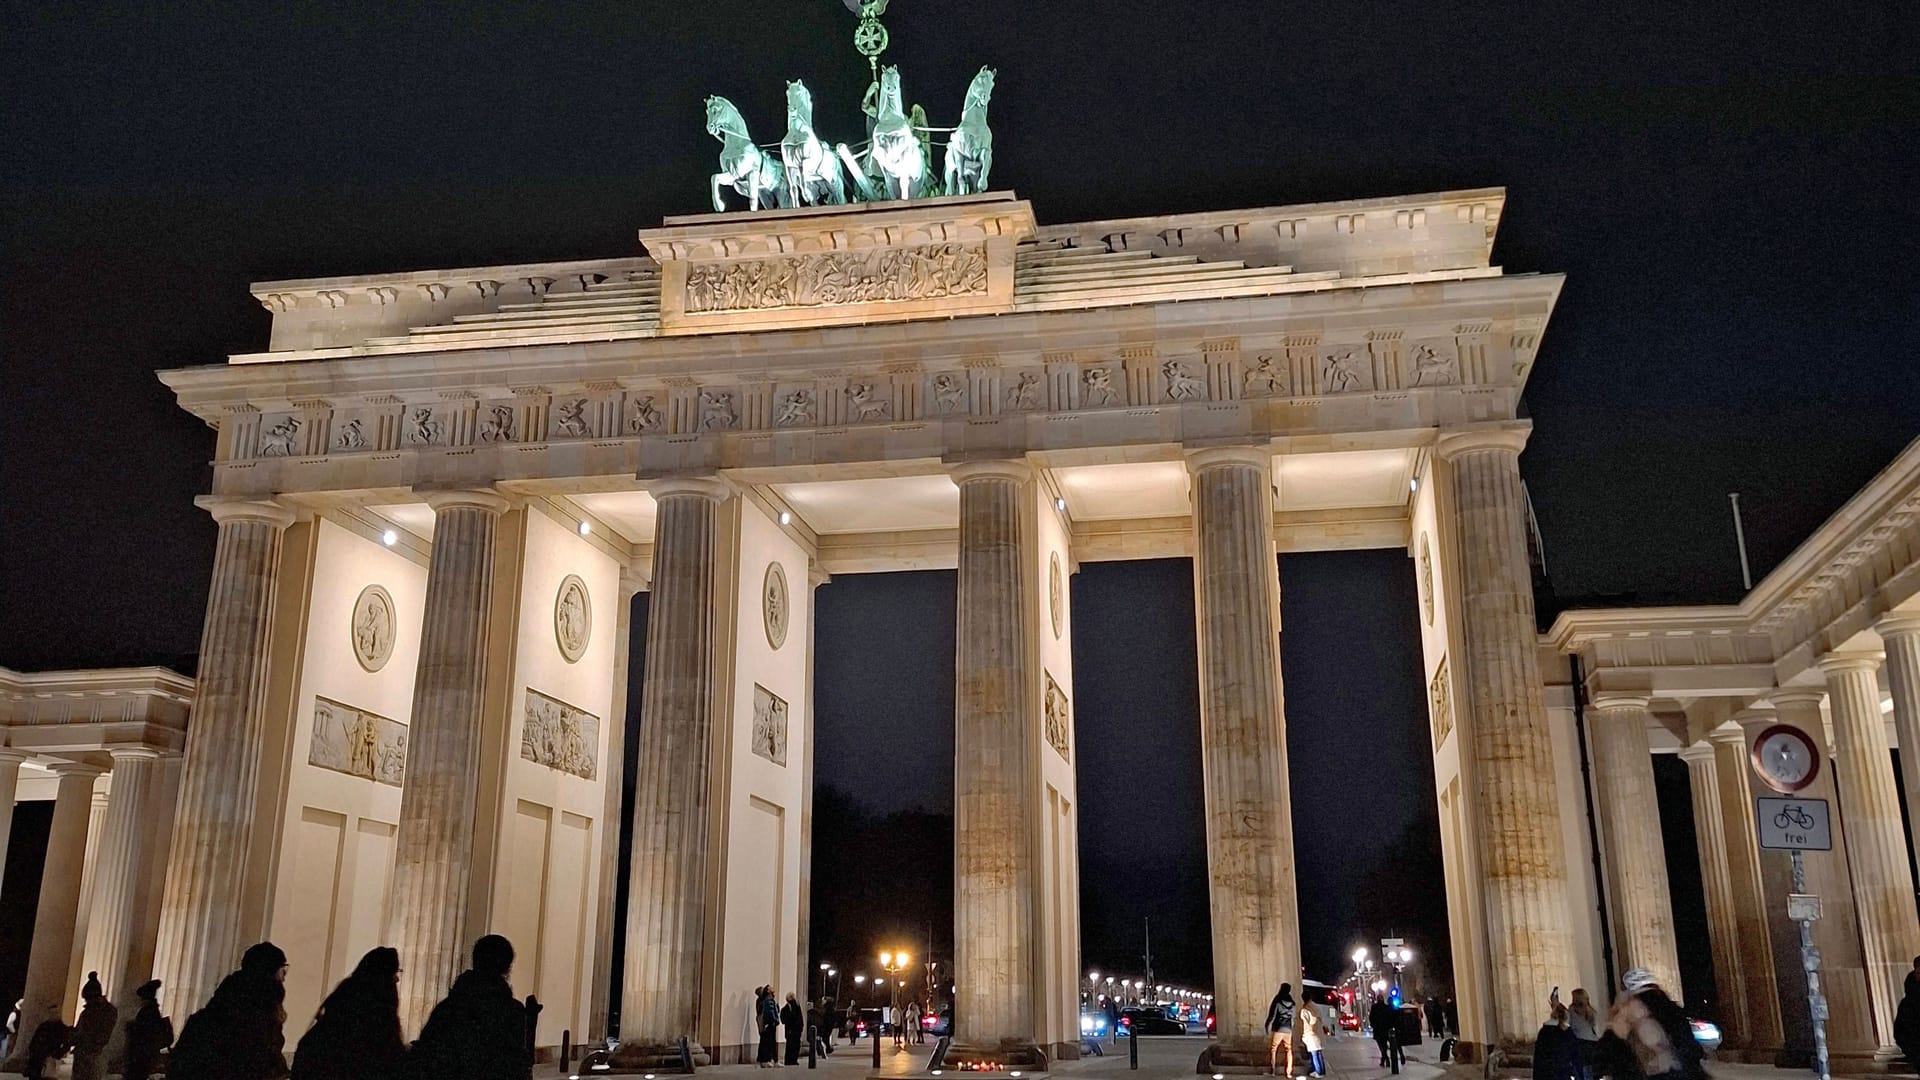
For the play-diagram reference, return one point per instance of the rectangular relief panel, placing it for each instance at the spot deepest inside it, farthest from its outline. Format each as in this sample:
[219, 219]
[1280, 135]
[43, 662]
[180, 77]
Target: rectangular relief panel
[769, 725]
[1059, 716]
[356, 742]
[560, 736]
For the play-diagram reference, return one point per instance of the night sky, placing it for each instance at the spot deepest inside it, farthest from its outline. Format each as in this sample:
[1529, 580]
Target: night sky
[1727, 188]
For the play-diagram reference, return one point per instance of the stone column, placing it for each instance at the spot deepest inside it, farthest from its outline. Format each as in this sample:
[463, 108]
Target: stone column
[1723, 935]
[1876, 839]
[1850, 1037]
[1636, 859]
[121, 870]
[1901, 636]
[50, 958]
[1522, 859]
[667, 894]
[1753, 952]
[83, 912]
[10, 762]
[1243, 743]
[433, 844]
[199, 941]
[613, 779]
[995, 720]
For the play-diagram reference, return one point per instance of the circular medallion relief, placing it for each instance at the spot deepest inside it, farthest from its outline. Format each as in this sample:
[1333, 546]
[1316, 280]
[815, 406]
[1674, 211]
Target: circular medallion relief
[1426, 578]
[773, 604]
[372, 627]
[572, 618]
[1056, 593]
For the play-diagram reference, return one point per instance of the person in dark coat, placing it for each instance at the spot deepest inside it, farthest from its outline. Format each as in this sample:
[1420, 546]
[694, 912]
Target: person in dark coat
[50, 1042]
[829, 1009]
[240, 1034]
[479, 1030]
[1280, 1028]
[148, 1034]
[356, 1034]
[1648, 1036]
[1906, 1022]
[1382, 1017]
[93, 1030]
[815, 1018]
[766, 1020]
[794, 1020]
[1556, 1053]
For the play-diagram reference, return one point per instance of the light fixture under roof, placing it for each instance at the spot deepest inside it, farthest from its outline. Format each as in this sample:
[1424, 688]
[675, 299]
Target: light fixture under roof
[1413, 484]
[390, 537]
[586, 527]
[1060, 504]
[786, 518]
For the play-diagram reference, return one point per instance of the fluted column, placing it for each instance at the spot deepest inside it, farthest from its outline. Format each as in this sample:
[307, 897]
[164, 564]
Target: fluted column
[1752, 951]
[1635, 857]
[1900, 634]
[613, 778]
[199, 941]
[1723, 936]
[1522, 859]
[50, 957]
[995, 720]
[1243, 741]
[1850, 1036]
[10, 762]
[120, 871]
[1876, 839]
[667, 897]
[433, 844]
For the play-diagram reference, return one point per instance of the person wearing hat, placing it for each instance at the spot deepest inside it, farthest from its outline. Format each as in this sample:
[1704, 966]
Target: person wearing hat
[1648, 1036]
[93, 1030]
[240, 1034]
[356, 1033]
[479, 1030]
[148, 1034]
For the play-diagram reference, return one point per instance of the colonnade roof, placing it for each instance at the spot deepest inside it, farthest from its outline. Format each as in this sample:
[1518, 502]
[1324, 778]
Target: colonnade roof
[84, 715]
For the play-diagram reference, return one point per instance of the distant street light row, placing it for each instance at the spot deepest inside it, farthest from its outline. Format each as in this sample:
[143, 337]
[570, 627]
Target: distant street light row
[1140, 988]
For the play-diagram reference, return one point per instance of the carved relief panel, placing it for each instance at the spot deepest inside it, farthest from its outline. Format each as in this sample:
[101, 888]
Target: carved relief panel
[356, 742]
[769, 725]
[572, 618]
[560, 736]
[1059, 719]
[773, 604]
[1440, 700]
[373, 627]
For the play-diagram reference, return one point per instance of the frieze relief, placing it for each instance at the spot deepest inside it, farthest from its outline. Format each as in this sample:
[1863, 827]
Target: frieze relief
[1434, 365]
[572, 618]
[643, 415]
[949, 393]
[1097, 389]
[769, 725]
[281, 437]
[497, 423]
[1059, 719]
[421, 427]
[881, 275]
[356, 742]
[1440, 699]
[798, 408]
[1027, 393]
[1182, 382]
[868, 403]
[717, 411]
[1263, 376]
[559, 736]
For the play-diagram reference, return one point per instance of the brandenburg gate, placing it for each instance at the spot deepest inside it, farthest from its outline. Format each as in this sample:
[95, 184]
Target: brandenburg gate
[438, 491]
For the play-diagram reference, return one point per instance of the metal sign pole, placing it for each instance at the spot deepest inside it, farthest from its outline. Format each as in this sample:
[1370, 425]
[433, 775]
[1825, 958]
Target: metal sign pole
[1810, 960]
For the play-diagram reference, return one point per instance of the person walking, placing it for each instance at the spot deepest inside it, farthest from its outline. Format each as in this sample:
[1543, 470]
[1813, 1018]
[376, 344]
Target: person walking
[1280, 1028]
[1583, 1022]
[1906, 1021]
[829, 1010]
[1382, 1018]
[148, 1034]
[1310, 1040]
[356, 1033]
[240, 1034]
[816, 1039]
[794, 1021]
[1436, 1018]
[1647, 1036]
[479, 1030]
[93, 1030]
[13, 1029]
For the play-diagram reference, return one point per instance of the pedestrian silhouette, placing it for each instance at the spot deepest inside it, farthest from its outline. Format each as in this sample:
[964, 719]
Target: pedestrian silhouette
[240, 1035]
[479, 1031]
[148, 1034]
[93, 1030]
[356, 1034]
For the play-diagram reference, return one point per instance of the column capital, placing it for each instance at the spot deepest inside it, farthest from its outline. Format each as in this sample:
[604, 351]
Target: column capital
[1701, 752]
[1505, 436]
[817, 574]
[711, 488]
[1898, 624]
[1013, 469]
[64, 769]
[260, 511]
[464, 498]
[13, 756]
[132, 753]
[1735, 731]
[1213, 457]
[1620, 702]
[1835, 663]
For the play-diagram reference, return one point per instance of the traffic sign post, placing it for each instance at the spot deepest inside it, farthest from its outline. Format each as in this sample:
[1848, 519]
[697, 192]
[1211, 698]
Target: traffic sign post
[1796, 826]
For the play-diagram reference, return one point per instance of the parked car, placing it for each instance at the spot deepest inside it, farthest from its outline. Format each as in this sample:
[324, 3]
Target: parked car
[1150, 1021]
[1350, 1021]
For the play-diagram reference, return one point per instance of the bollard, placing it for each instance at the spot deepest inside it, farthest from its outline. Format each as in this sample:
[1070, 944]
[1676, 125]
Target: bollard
[876, 1050]
[813, 1041]
[1133, 1048]
[1393, 1045]
[566, 1050]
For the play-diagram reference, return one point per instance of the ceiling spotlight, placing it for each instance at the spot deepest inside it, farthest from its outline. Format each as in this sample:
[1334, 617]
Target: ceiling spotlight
[586, 528]
[786, 518]
[1413, 484]
[1060, 505]
[389, 538]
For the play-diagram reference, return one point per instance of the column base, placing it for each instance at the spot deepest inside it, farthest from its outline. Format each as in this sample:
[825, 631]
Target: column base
[1234, 1059]
[1005, 1057]
[648, 1058]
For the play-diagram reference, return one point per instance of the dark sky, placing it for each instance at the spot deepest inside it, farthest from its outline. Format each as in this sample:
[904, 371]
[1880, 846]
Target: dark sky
[1728, 188]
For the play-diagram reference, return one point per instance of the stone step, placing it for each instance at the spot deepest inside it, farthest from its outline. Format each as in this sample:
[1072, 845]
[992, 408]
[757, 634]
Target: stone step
[589, 303]
[1204, 288]
[1022, 258]
[496, 323]
[1179, 276]
[540, 335]
[1156, 267]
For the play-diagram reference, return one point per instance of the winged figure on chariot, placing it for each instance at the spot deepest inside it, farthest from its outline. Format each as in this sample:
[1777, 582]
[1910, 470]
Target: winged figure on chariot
[895, 161]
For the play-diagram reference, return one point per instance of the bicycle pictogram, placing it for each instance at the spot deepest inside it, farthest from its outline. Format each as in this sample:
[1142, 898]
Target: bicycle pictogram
[1793, 816]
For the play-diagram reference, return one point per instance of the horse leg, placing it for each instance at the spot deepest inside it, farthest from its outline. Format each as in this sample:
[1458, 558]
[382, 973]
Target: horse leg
[719, 204]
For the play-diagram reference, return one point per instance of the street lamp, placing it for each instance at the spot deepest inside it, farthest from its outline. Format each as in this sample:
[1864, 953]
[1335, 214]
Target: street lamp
[893, 963]
[824, 969]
